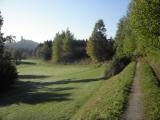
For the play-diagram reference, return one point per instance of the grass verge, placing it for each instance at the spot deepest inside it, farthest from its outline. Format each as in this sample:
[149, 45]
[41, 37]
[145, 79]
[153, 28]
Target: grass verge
[153, 58]
[108, 102]
[151, 93]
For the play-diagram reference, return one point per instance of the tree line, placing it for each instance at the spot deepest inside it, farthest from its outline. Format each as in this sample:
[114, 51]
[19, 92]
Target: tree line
[139, 31]
[66, 49]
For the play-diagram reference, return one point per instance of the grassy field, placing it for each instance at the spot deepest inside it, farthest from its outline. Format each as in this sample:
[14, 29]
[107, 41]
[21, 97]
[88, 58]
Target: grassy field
[50, 92]
[151, 89]
[108, 102]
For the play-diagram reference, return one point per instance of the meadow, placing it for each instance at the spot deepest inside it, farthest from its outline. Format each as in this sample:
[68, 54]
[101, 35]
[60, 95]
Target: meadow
[50, 92]
[47, 91]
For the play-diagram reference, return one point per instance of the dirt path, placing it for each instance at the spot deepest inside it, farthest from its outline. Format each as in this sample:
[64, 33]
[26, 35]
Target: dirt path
[135, 109]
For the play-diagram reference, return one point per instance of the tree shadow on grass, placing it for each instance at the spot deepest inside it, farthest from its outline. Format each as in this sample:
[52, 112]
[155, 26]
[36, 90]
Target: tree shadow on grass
[67, 81]
[27, 92]
[33, 76]
[28, 63]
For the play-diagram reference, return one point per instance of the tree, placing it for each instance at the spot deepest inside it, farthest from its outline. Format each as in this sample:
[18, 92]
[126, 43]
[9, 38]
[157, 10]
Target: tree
[57, 48]
[8, 73]
[17, 56]
[98, 45]
[145, 21]
[79, 49]
[120, 36]
[68, 48]
[44, 50]
[38, 51]
[125, 39]
[63, 48]
[47, 50]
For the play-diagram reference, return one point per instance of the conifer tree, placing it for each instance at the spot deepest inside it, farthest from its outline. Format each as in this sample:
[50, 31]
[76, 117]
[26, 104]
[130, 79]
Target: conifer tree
[57, 48]
[98, 46]
[68, 48]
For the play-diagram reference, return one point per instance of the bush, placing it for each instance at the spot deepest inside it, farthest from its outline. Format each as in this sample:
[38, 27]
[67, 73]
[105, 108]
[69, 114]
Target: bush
[8, 73]
[116, 66]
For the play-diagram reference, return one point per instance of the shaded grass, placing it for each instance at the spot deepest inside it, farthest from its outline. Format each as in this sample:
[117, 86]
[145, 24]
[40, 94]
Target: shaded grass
[50, 92]
[108, 102]
[153, 58]
[151, 93]
[32, 76]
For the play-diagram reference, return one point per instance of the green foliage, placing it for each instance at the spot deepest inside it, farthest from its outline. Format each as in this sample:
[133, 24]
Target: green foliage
[120, 36]
[63, 49]
[57, 48]
[151, 93]
[116, 66]
[125, 39]
[66, 49]
[129, 46]
[8, 73]
[153, 58]
[47, 50]
[98, 47]
[139, 31]
[38, 51]
[80, 49]
[17, 56]
[145, 21]
[44, 50]
[108, 102]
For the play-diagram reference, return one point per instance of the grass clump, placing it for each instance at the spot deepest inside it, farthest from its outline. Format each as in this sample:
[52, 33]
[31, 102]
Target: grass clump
[108, 102]
[151, 93]
[153, 58]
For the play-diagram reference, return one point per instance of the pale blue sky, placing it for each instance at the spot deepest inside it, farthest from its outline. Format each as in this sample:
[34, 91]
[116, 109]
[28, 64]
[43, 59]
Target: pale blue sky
[40, 20]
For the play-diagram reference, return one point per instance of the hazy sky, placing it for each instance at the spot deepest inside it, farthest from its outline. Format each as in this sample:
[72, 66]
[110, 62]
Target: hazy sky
[40, 20]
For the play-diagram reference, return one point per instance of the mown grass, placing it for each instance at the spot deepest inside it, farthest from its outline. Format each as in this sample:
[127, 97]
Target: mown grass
[108, 102]
[50, 92]
[151, 90]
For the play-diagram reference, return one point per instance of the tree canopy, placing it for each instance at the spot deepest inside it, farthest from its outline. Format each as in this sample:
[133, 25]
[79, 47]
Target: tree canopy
[139, 31]
[98, 47]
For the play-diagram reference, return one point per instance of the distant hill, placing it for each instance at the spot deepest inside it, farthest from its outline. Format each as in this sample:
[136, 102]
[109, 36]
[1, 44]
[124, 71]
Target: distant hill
[23, 43]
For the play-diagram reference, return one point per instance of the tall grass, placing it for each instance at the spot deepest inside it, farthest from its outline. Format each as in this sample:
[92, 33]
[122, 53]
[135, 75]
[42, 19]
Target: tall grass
[108, 102]
[151, 93]
[153, 58]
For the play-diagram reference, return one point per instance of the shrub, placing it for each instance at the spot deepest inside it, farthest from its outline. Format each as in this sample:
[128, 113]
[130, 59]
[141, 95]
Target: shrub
[8, 73]
[116, 66]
